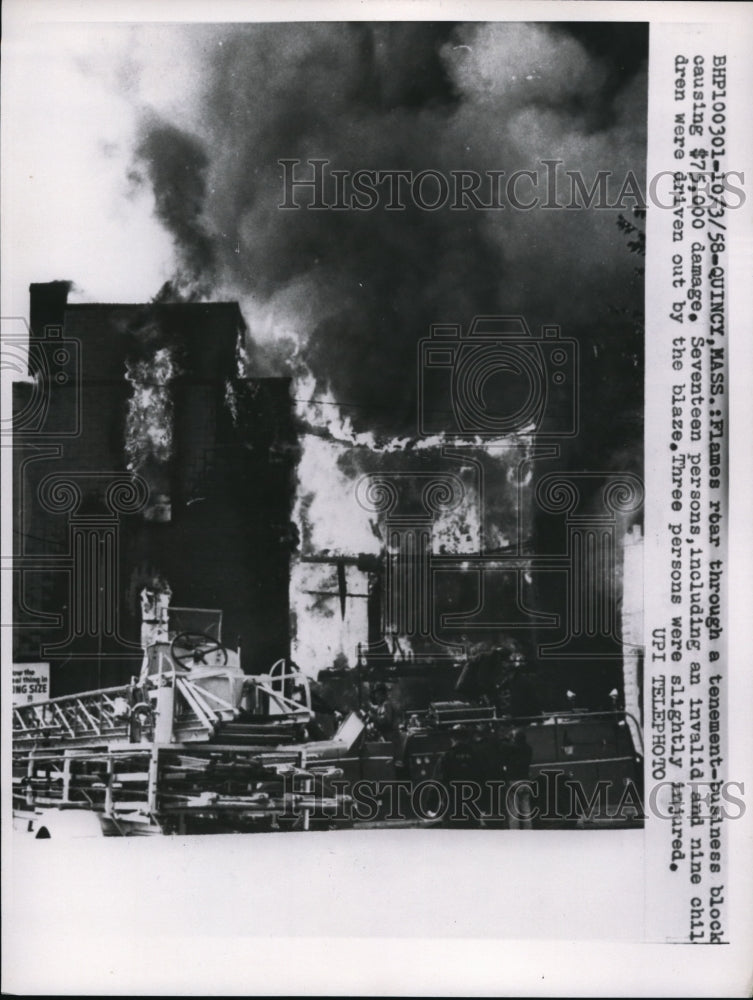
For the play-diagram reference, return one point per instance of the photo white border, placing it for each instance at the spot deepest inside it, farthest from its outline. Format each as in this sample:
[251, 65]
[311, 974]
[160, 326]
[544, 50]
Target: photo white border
[122, 937]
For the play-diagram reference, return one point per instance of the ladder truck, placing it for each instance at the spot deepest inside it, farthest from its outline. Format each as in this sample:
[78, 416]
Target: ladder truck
[194, 745]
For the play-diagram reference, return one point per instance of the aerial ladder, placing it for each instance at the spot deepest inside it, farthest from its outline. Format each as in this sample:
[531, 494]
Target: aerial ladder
[192, 745]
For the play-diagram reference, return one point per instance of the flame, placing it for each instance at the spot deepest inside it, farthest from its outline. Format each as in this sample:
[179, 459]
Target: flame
[332, 524]
[149, 412]
[329, 519]
[402, 648]
[334, 456]
[321, 633]
[320, 411]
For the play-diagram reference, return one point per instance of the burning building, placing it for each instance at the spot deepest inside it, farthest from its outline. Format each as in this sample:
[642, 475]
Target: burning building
[156, 458]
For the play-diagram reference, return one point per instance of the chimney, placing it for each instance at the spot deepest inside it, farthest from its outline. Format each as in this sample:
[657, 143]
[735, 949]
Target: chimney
[47, 305]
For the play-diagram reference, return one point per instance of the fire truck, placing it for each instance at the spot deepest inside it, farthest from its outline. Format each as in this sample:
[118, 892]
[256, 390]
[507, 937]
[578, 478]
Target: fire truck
[196, 745]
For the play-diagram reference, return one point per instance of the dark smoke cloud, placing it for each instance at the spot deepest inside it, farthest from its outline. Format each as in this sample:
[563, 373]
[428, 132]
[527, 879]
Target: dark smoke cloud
[176, 166]
[358, 290]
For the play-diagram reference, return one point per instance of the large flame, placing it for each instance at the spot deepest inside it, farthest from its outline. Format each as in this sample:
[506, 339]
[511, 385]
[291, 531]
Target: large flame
[330, 614]
[327, 624]
[149, 412]
[334, 456]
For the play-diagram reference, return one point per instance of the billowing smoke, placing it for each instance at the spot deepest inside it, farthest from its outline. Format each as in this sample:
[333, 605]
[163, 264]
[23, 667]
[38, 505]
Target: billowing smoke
[175, 165]
[351, 293]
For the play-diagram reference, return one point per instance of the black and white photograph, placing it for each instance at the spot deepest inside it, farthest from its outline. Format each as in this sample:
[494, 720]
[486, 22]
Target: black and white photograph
[366, 448]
